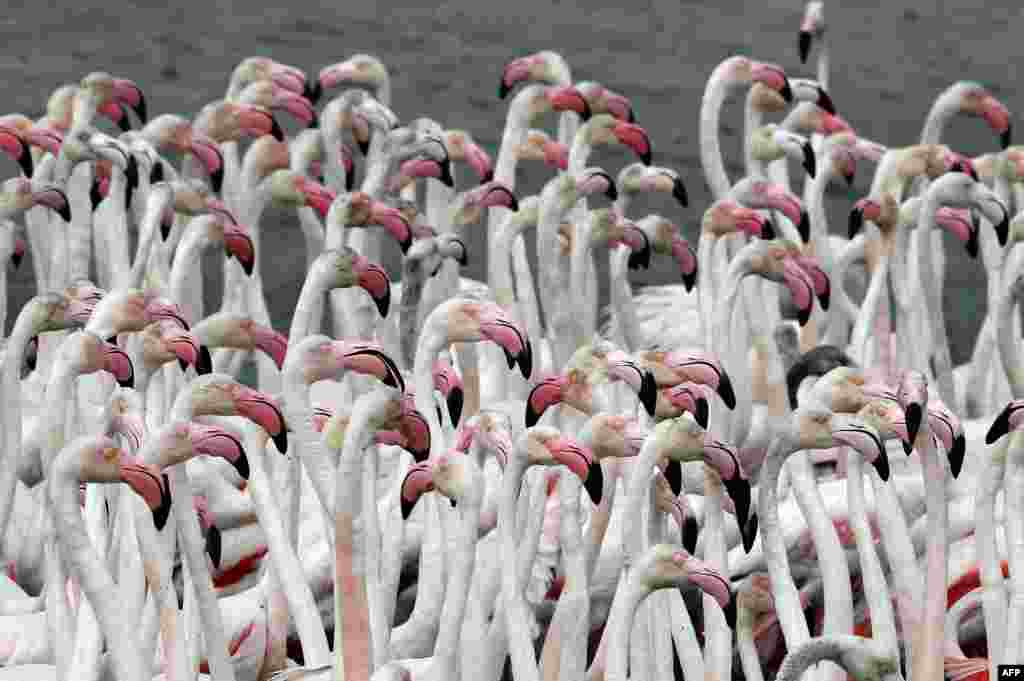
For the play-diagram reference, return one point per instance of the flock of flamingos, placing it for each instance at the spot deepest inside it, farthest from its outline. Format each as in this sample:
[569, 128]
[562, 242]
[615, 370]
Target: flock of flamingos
[459, 479]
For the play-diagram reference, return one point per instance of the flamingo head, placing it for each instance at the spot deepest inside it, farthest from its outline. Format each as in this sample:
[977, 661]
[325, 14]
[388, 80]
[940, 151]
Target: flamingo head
[101, 460]
[777, 197]
[811, 91]
[19, 194]
[670, 368]
[548, 447]
[842, 156]
[224, 121]
[608, 130]
[949, 430]
[86, 353]
[976, 100]
[13, 144]
[724, 458]
[772, 142]
[262, 69]
[776, 261]
[237, 243]
[357, 209]
[959, 223]
[623, 367]
[164, 341]
[596, 181]
[291, 189]
[347, 269]
[328, 359]
[18, 254]
[637, 177]
[113, 93]
[602, 100]
[494, 428]
[471, 320]
[960, 190]
[1011, 418]
[727, 217]
[553, 390]
[666, 566]
[414, 429]
[609, 228]
[884, 213]
[462, 147]
[666, 240]
[820, 279]
[361, 69]
[448, 382]
[456, 476]
[689, 397]
[544, 67]
[475, 201]
[538, 146]
[418, 480]
[857, 433]
[770, 75]
[221, 395]
[812, 26]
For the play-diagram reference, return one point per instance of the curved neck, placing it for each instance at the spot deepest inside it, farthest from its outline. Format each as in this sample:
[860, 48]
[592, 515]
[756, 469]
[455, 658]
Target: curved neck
[426, 352]
[627, 323]
[92, 573]
[1008, 352]
[933, 303]
[621, 619]
[186, 257]
[716, 91]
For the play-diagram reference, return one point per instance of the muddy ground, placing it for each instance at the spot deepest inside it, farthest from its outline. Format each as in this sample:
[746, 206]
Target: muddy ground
[889, 62]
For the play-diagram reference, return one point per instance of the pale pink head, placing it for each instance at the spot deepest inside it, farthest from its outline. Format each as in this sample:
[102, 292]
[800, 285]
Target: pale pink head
[419, 480]
[496, 326]
[448, 382]
[777, 197]
[959, 223]
[690, 397]
[801, 287]
[414, 429]
[822, 284]
[221, 443]
[262, 410]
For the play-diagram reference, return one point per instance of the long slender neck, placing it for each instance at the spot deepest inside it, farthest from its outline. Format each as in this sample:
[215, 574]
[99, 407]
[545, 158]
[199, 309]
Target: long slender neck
[457, 593]
[938, 117]
[715, 92]
[627, 323]
[787, 598]
[92, 573]
[524, 663]
[933, 303]
[186, 256]
[622, 619]
[1008, 352]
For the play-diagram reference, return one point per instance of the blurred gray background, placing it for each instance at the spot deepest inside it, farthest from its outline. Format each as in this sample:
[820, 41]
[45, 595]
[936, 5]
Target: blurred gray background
[889, 61]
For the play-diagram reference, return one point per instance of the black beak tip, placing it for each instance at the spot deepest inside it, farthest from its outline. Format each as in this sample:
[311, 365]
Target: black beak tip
[730, 613]
[612, 193]
[645, 157]
[487, 177]
[691, 531]
[810, 164]
[141, 109]
[247, 267]
[25, 161]
[455, 399]
[364, 146]
[407, 507]
[804, 226]
[162, 512]
[907, 447]
[123, 124]
[595, 482]
[972, 243]
[689, 280]
[1006, 138]
[217, 180]
[383, 303]
[825, 101]
[649, 392]
[587, 113]
[531, 417]
[275, 130]
[738, 490]
[850, 179]
[679, 192]
[16, 260]
[702, 413]
[803, 315]
[749, 533]
[502, 89]
[213, 546]
[956, 455]
[131, 172]
[881, 464]
[165, 230]
[313, 92]
[183, 364]
[241, 465]
[204, 363]
[725, 391]
[281, 441]
[446, 174]
[514, 204]
[913, 414]
[526, 360]
[1003, 229]
[786, 92]
[674, 475]
[803, 45]
[855, 222]
[631, 115]
[95, 197]
[350, 181]
[1000, 427]
[156, 173]
[825, 298]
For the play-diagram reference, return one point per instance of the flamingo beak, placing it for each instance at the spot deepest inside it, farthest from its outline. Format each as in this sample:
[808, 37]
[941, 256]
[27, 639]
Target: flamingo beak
[128, 93]
[803, 45]
[271, 343]
[825, 101]
[809, 163]
[801, 287]
[1002, 425]
[318, 197]
[19, 253]
[865, 440]
[54, 199]
[679, 192]
[515, 71]
[312, 90]
[418, 481]
[257, 122]
[298, 106]
[239, 244]
[639, 245]
[186, 348]
[217, 442]
[213, 545]
[687, 260]
[636, 138]
[416, 431]
[568, 98]
[500, 196]
[17, 150]
[156, 173]
[713, 584]
[374, 280]
[394, 222]
[210, 155]
[153, 486]
[119, 365]
[543, 396]
[480, 161]
[264, 412]
[498, 329]
[372, 362]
